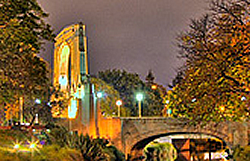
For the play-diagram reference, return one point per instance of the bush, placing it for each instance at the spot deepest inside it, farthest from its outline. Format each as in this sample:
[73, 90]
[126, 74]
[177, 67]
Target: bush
[164, 151]
[241, 153]
[90, 149]
[57, 153]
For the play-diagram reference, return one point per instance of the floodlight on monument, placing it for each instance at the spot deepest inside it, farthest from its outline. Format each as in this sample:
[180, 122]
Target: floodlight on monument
[79, 92]
[63, 81]
[72, 109]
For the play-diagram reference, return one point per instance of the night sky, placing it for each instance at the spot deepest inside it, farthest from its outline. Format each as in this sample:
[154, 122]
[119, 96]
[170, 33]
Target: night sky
[135, 35]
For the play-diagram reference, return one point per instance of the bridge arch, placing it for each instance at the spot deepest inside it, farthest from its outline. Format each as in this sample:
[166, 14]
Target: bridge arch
[142, 143]
[138, 132]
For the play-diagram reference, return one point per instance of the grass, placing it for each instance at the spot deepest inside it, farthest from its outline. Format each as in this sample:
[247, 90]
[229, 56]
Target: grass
[8, 137]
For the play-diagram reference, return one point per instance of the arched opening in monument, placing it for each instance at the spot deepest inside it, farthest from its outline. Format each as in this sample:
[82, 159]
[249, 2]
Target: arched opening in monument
[64, 67]
[182, 147]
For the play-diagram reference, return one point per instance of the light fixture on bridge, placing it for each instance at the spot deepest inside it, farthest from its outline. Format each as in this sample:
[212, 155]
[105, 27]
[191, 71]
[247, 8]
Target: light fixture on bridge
[139, 97]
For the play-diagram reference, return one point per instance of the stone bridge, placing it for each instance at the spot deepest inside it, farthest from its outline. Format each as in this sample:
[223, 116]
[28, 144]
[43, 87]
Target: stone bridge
[132, 134]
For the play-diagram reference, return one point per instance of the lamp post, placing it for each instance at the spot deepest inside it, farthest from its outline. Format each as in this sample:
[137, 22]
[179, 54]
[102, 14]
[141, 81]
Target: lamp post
[139, 98]
[99, 94]
[97, 110]
[32, 148]
[21, 110]
[38, 101]
[169, 112]
[119, 103]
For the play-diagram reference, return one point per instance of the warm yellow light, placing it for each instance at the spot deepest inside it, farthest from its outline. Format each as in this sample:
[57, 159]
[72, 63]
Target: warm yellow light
[154, 87]
[222, 108]
[72, 109]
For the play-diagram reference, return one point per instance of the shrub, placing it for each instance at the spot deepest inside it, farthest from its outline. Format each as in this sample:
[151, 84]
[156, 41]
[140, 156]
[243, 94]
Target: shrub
[241, 153]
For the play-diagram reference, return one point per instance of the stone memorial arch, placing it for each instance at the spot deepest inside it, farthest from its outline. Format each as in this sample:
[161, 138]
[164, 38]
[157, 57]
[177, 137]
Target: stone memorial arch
[71, 74]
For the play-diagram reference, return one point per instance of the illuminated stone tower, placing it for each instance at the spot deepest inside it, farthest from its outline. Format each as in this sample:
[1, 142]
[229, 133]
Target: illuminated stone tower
[71, 73]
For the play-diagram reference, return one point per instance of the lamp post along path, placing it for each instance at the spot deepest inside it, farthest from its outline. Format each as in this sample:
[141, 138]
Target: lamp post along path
[119, 103]
[21, 110]
[139, 108]
[139, 97]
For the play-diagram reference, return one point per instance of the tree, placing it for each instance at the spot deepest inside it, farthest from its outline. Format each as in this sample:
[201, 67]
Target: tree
[128, 84]
[150, 78]
[22, 33]
[59, 101]
[215, 84]
[110, 96]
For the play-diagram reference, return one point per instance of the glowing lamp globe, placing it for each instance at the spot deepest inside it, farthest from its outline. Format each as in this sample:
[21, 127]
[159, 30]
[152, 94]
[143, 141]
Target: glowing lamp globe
[118, 103]
[38, 101]
[16, 146]
[32, 145]
[99, 94]
[139, 96]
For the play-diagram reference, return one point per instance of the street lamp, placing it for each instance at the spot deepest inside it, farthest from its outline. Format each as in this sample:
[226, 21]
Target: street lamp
[119, 103]
[16, 146]
[139, 98]
[38, 101]
[222, 108]
[32, 148]
[154, 87]
[99, 95]
[169, 112]
[21, 110]
[97, 110]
